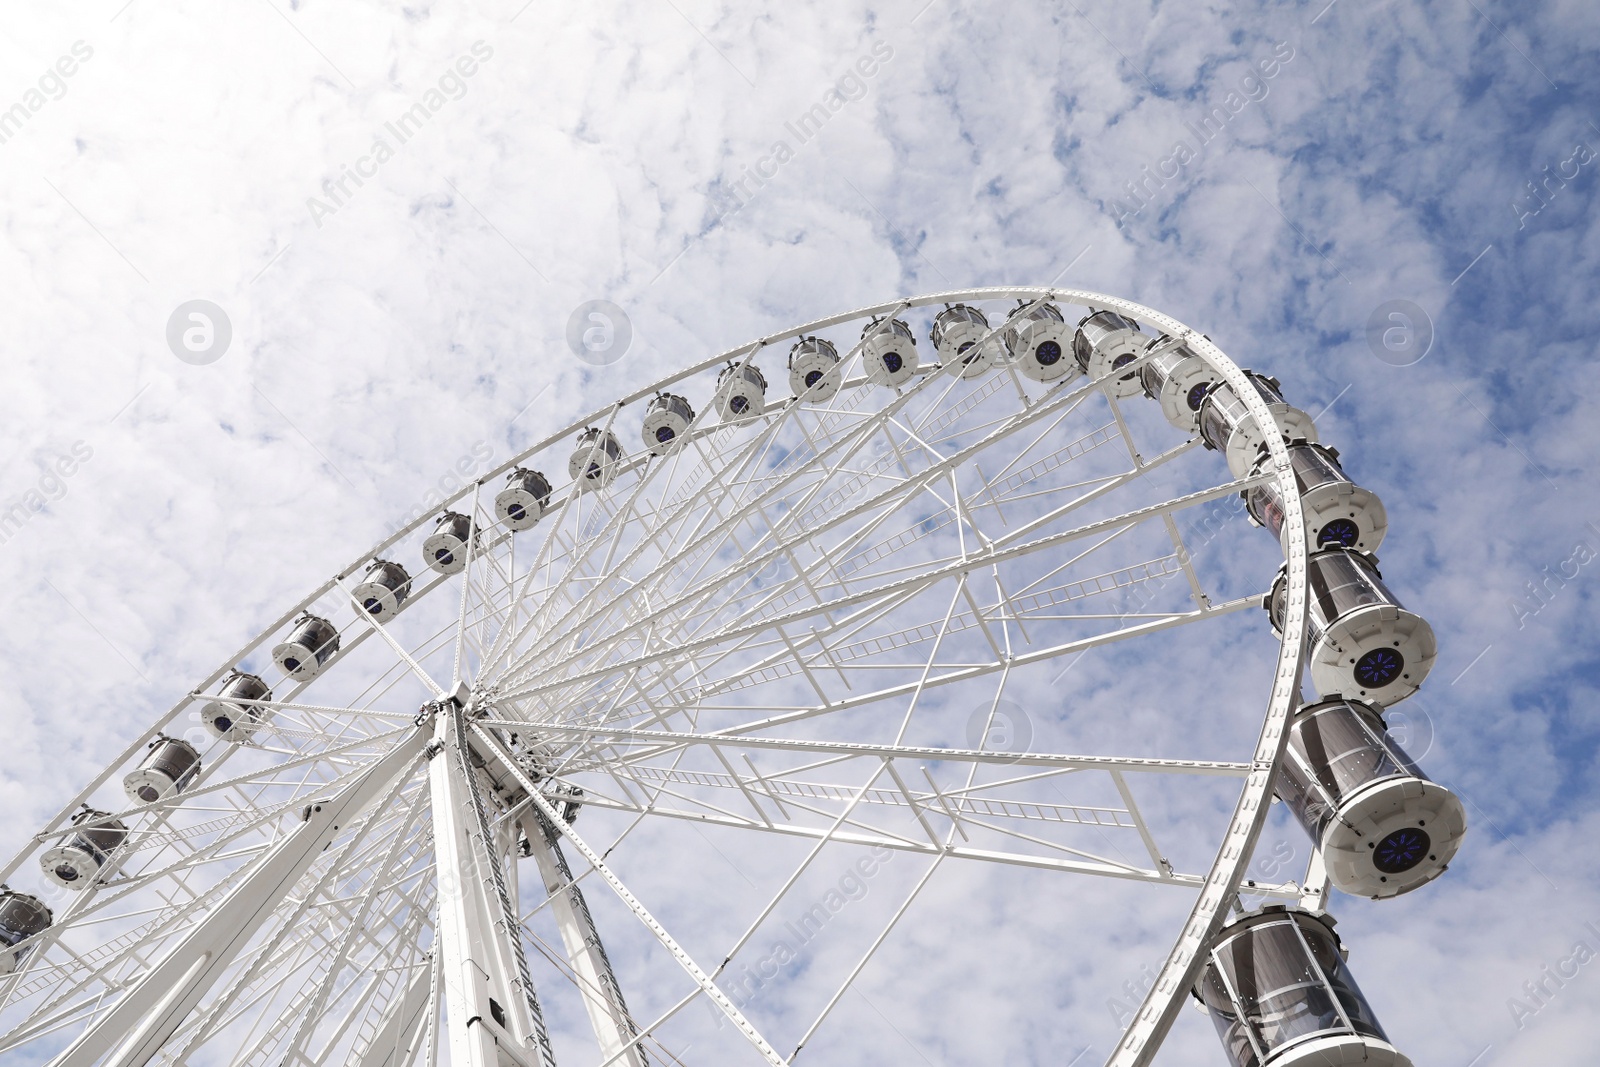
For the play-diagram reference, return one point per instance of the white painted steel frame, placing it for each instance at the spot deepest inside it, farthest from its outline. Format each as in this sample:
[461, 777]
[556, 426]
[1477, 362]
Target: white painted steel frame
[462, 933]
[614, 1027]
[148, 1014]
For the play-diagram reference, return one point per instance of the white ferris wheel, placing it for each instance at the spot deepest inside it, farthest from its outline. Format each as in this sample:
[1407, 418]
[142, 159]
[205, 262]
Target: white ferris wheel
[811, 609]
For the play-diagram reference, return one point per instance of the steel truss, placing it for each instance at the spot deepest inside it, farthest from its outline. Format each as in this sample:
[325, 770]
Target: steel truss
[778, 626]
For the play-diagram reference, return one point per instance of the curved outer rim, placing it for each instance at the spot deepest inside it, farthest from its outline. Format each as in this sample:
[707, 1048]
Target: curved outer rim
[1181, 969]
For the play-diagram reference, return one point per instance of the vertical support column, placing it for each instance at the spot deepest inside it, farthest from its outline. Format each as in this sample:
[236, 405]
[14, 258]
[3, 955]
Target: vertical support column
[614, 1027]
[494, 1016]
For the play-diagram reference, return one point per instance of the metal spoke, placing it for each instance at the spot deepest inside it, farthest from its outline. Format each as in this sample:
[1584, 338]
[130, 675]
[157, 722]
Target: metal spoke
[701, 978]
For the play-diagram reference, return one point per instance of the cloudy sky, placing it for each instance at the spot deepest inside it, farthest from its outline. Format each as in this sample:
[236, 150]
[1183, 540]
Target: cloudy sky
[386, 325]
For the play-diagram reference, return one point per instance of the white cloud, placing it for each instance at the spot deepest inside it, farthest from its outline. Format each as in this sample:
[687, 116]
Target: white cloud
[372, 352]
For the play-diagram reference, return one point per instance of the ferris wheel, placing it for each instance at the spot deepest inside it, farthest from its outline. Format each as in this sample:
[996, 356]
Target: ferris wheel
[809, 609]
